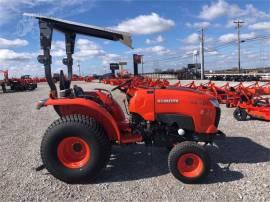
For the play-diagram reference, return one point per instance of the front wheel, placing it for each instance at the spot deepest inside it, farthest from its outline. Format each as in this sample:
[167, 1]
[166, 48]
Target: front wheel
[189, 162]
[75, 149]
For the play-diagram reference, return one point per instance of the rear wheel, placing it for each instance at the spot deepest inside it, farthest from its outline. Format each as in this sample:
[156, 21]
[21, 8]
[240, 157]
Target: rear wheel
[240, 114]
[75, 149]
[189, 162]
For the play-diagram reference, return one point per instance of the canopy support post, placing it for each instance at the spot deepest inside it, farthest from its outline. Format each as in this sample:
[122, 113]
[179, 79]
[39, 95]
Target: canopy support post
[68, 61]
[46, 31]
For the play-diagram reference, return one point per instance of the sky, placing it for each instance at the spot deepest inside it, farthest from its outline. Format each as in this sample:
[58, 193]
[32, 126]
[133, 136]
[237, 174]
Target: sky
[167, 33]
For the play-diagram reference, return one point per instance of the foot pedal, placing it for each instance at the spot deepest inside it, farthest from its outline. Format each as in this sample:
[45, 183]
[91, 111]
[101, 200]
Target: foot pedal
[126, 139]
[220, 135]
[39, 168]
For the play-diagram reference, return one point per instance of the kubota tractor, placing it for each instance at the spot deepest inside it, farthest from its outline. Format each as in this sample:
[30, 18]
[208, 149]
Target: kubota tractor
[77, 146]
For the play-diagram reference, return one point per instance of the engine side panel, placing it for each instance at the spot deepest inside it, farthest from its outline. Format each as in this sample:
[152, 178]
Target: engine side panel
[186, 103]
[142, 103]
[182, 121]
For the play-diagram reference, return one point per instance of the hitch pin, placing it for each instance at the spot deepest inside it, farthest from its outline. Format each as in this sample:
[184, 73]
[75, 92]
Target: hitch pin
[41, 104]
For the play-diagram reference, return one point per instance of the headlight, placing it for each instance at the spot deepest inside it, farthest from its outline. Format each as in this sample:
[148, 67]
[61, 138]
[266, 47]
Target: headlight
[214, 102]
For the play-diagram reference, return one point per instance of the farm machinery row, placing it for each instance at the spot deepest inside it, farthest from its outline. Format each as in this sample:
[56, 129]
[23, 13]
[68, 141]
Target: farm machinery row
[28, 83]
[17, 84]
[56, 78]
[249, 100]
[137, 81]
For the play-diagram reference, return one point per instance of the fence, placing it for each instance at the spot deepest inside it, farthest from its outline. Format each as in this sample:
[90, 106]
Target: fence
[160, 76]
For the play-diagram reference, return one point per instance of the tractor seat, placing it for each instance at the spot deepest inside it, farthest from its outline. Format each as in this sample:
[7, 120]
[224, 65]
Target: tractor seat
[78, 92]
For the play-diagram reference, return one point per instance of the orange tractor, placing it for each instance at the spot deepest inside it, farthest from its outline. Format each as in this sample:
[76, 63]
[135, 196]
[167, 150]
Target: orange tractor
[77, 146]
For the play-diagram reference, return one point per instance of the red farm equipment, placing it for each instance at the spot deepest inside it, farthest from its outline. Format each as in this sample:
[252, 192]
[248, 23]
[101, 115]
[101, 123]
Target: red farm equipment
[78, 145]
[252, 105]
[254, 90]
[225, 94]
[16, 84]
[76, 77]
[39, 79]
[265, 89]
[257, 89]
[88, 78]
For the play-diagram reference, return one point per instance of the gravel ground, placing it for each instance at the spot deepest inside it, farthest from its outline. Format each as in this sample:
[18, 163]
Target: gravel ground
[240, 164]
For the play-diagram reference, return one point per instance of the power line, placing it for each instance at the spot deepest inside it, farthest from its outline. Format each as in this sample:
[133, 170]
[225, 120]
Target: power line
[169, 58]
[224, 44]
[210, 49]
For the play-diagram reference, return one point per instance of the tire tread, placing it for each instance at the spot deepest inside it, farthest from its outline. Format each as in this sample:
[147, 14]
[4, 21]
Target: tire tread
[79, 121]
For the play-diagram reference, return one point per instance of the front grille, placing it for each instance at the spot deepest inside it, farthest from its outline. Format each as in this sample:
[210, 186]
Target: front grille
[218, 113]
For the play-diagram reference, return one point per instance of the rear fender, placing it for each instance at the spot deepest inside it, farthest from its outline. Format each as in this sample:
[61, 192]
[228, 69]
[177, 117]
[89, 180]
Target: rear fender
[89, 108]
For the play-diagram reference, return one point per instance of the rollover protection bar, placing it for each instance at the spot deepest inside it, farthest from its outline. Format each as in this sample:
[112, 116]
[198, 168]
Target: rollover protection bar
[70, 29]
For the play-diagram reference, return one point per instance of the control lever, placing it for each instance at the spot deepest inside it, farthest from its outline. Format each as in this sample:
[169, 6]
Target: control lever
[125, 104]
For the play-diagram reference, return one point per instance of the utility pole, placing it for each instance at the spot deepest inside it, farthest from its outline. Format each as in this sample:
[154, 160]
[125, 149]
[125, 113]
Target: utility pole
[238, 25]
[79, 66]
[142, 63]
[202, 54]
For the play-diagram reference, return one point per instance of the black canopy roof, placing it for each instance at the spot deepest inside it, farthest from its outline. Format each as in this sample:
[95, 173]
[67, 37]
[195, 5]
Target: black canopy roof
[84, 29]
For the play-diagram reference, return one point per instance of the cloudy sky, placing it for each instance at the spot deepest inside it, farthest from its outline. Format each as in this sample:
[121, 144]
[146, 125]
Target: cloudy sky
[167, 33]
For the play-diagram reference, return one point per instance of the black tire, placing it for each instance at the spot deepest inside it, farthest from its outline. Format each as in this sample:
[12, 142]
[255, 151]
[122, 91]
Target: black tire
[29, 87]
[188, 148]
[3, 85]
[240, 114]
[82, 127]
[33, 86]
[15, 87]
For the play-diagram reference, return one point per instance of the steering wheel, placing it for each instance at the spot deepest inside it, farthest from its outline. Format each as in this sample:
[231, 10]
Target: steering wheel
[121, 85]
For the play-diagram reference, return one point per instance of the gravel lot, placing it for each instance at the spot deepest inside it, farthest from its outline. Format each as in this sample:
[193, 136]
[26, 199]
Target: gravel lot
[240, 164]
